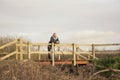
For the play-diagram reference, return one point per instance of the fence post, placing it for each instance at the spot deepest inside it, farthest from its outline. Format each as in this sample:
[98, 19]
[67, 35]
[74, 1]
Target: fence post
[77, 56]
[21, 48]
[53, 54]
[39, 53]
[74, 54]
[93, 51]
[17, 49]
[29, 54]
[59, 56]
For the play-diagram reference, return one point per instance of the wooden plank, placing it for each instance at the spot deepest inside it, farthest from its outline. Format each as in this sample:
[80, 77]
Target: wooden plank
[58, 52]
[85, 58]
[74, 54]
[8, 44]
[107, 44]
[77, 45]
[11, 54]
[63, 52]
[29, 51]
[39, 57]
[85, 52]
[21, 49]
[117, 52]
[46, 52]
[53, 55]
[25, 45]
[68, 45]
[16, 52]
[59, 62]
[63, 45]
[40, 52]
[40, 44]
[82, 62]
[93, 51]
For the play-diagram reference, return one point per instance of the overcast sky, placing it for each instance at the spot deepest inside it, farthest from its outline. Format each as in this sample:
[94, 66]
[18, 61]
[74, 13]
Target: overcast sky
[78, 21]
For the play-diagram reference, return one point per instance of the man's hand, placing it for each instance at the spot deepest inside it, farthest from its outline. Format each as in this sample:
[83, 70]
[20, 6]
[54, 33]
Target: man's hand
[57, 42]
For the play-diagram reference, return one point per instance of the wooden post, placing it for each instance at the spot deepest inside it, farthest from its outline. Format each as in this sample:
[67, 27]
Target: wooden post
[39, 53]
[29, 54]
[59, 57]
[89, 56]
[77, 50]
[53, 53]
[74, 54]
[16, 50]
[93, 51]
[21, 49]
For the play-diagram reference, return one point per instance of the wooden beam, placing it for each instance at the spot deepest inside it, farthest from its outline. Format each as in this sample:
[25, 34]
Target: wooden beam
[21, 49]
[40, 44]
[16, 51]
[63, 45]
[74, 54]
[40, 52]
[59, 62]
[85, 58]
[107, 44]
[53, 54]
[11, 54]
[29, 51]
[8, 44]
[77, 45]
[93, 51]
[39, 57]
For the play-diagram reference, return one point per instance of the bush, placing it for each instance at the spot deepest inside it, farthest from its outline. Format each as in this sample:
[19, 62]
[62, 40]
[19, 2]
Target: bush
[109, 62]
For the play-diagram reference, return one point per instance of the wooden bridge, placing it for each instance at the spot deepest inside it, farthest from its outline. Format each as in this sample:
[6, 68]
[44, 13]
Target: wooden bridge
[60, 53]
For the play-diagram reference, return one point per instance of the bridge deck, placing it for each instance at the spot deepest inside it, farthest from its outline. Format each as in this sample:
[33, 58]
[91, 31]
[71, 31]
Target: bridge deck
[46, 62]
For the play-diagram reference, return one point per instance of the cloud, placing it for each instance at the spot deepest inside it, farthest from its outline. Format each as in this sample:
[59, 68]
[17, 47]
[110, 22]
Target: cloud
[80, 21]
[92, 36]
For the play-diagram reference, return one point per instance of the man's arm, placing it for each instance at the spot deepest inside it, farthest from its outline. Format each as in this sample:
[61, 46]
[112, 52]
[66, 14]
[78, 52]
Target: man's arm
[51, 40]
[58, 41]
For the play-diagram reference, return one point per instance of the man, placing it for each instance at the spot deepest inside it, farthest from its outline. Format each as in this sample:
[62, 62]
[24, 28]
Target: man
[54, 39]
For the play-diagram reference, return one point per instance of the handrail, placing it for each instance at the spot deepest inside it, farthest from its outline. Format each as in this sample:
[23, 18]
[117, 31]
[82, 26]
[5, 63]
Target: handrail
[8, 55]
[8, 44]
[107, 44]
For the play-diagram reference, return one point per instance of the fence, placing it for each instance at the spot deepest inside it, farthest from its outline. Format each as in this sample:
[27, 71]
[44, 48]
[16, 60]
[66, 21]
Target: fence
[23, 47]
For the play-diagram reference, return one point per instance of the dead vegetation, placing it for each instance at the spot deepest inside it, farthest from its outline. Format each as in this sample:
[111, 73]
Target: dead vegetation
[20, 70]
[29, 70]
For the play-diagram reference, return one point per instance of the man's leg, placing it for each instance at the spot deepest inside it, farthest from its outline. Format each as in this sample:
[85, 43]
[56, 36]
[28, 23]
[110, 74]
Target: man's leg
[49, 49]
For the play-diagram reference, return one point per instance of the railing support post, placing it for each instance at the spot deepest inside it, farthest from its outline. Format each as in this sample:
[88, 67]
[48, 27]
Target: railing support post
[21, 48]
[59, 56]
[16, 49]
[29, 54]
[74, 54]
[93, 51]
[39, 53]
[53, 54]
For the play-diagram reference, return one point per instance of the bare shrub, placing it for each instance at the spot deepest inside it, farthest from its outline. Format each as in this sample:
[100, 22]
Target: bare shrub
[20, 70]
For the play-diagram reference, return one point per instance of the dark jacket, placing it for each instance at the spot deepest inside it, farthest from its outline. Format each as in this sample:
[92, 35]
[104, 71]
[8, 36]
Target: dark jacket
[52, 40]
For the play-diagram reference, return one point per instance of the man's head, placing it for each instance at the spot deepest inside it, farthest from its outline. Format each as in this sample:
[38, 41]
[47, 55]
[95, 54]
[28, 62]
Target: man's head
[55, 35]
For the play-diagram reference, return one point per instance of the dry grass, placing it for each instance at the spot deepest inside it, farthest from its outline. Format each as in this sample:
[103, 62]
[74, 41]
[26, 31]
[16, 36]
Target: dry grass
[19, 70]
[29, 70]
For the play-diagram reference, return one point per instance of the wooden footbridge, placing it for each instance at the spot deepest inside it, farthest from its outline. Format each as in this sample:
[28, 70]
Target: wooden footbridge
[60, 53]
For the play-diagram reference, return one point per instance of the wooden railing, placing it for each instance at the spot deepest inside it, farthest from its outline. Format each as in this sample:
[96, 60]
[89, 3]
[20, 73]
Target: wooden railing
[21, 44]
[10, 54]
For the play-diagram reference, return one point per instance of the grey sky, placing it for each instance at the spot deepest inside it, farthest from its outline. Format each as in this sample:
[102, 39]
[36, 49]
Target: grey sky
[79, 21]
